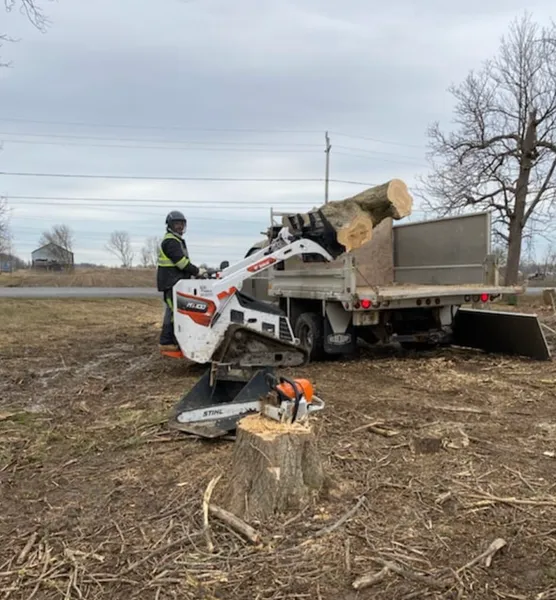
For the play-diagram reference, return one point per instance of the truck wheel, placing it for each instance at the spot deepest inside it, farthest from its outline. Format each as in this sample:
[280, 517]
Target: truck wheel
[309, 330]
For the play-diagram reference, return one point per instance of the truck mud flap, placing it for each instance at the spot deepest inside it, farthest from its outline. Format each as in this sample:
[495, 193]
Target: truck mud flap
[500, 332]
[203, 395]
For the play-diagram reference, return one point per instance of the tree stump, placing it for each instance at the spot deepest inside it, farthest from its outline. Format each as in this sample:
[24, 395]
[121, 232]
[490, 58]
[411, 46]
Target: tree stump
[275, 468]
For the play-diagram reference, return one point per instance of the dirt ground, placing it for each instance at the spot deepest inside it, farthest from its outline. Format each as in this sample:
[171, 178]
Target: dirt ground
[109, 277]
[99, 500]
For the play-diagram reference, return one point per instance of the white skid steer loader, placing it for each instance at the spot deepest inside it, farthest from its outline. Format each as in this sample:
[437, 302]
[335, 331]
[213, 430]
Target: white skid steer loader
[244, 340]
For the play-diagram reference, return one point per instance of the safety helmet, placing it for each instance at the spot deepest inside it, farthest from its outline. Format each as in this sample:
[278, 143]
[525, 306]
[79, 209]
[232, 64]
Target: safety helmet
[175, 215]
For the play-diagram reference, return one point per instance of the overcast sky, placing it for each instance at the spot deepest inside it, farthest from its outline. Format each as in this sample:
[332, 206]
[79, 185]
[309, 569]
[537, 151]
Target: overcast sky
[218, 89]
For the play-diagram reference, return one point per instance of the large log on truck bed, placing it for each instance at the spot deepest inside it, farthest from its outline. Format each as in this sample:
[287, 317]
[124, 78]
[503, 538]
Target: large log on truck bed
[354, 218]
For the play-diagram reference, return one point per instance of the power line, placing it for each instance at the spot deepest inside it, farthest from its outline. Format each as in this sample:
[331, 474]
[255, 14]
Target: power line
[195, 203]
[145, 147]
[372, 139]
[137, 215]
[82, 234]
[164, 141]
[151, 177]
[380, 152]
[380, 159]
[156, 127]
[206, 129]
[179, 178]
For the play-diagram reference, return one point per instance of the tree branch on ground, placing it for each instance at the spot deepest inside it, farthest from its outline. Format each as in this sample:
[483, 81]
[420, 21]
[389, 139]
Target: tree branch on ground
[501, 154]
[119, 244]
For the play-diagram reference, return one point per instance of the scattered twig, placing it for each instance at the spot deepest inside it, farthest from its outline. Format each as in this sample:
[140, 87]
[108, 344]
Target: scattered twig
[494, 547]
[488, 500]
[370, 579]
[342, 520]
[413, 575]
[463, 409]
[440, 500]
[548, 328]
[376, 427]
[43, 573]
[27, 548]
[206, 502]
[152, 554]
[235, 523]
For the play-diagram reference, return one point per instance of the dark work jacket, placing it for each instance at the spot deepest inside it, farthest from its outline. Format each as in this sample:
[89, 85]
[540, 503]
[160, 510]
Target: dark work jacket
[173, 262]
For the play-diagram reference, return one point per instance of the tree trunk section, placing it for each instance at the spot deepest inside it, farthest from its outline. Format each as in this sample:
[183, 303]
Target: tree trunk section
[275, 468]
[354, 218]
[517, 221]
[514, 255]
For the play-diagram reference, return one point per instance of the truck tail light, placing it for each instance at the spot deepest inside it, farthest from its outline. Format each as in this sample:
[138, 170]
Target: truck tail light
[365, 303]
[484, 297]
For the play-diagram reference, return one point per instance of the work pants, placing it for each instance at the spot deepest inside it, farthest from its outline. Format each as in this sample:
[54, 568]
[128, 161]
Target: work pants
[167, 336]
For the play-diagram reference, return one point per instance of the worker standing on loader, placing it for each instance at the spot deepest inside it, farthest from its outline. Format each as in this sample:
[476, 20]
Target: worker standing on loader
[173, 264]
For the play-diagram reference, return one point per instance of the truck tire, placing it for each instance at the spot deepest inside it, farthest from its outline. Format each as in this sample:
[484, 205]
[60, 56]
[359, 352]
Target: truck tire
[309, 329]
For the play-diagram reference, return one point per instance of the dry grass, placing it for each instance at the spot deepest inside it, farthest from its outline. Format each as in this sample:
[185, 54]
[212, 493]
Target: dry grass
[432, 458]
[109, 277]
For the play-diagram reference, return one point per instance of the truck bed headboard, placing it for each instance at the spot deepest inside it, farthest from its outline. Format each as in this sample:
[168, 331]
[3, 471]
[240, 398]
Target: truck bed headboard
[443, 251]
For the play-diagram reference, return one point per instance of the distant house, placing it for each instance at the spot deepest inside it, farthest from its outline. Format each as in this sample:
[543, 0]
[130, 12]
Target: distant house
[52, 258]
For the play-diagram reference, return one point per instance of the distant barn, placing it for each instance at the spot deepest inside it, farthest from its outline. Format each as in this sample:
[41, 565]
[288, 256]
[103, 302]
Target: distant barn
[52, 258]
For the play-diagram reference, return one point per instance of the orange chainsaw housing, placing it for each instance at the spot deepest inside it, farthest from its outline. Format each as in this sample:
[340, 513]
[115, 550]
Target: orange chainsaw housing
[303, 385]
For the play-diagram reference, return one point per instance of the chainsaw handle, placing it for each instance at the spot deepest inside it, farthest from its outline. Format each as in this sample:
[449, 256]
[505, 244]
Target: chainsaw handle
[297, 395]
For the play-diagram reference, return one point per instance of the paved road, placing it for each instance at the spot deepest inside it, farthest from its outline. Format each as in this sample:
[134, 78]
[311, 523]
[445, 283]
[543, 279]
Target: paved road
[99, 292]
[77, 292]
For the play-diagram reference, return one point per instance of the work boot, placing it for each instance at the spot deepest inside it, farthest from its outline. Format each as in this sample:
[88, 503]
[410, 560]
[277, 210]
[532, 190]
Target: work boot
[171, 350]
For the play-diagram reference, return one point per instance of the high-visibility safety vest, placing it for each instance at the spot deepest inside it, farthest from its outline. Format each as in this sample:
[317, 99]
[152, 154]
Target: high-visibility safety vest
[165, 261]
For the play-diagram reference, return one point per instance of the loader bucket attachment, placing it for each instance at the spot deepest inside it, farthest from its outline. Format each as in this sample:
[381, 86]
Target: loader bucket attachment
[203, 401]
[500, 332]
[316, 227]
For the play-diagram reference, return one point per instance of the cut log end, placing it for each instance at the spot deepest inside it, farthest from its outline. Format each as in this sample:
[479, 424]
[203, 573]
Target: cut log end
[353, 219]
[275, 468]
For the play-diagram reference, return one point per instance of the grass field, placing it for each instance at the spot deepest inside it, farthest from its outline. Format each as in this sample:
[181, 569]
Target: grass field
[99, 500]
[81, 278]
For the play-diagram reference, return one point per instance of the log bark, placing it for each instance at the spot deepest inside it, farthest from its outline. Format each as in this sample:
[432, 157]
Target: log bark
[275, 468]
[354, 218]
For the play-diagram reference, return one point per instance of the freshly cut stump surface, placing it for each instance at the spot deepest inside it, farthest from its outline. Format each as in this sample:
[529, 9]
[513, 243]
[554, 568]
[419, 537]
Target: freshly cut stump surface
[275, 468]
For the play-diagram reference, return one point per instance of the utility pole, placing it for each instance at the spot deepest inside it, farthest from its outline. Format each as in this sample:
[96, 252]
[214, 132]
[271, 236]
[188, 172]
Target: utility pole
[327, 170]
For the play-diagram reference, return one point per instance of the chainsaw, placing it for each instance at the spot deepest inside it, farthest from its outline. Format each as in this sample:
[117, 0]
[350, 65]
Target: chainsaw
[284, 401]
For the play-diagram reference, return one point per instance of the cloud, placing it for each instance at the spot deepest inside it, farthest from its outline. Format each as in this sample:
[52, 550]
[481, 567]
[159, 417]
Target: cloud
[208, 88]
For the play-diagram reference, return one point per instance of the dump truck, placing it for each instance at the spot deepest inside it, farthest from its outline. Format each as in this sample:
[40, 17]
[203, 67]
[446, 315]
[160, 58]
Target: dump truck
[419, 284]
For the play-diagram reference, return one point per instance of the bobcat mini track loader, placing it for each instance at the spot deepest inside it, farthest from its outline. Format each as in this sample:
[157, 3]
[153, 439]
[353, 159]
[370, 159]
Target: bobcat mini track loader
[244, 340]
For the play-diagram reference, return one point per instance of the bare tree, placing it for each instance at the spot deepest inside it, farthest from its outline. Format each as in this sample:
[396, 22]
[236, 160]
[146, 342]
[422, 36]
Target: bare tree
[502, 154]
[119, 244]
[149, 252]
[34, 13]
[62, 238]
[5, 236]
